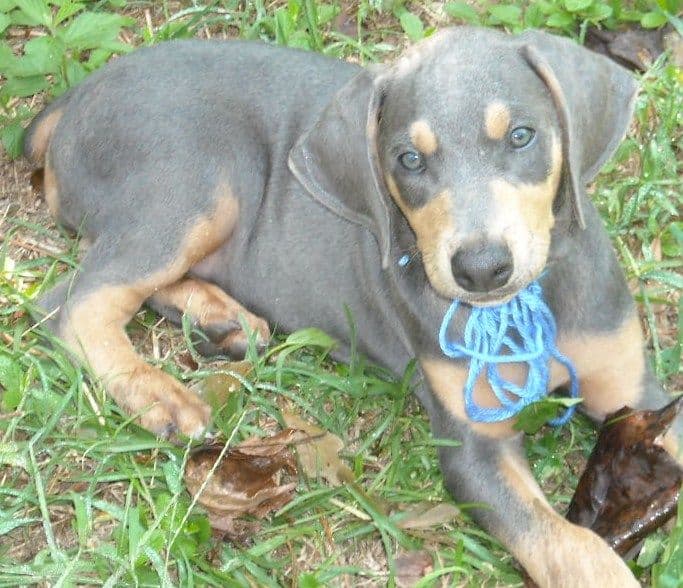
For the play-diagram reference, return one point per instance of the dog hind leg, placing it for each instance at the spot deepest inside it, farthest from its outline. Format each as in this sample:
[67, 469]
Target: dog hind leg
[211, 309]
[116, 276]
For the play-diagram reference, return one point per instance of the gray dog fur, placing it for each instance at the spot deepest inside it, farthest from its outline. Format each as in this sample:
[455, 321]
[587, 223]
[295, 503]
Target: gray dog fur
[306, 146]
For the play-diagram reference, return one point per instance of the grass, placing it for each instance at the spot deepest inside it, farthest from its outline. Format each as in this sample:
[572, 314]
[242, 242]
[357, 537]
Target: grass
[86, 497]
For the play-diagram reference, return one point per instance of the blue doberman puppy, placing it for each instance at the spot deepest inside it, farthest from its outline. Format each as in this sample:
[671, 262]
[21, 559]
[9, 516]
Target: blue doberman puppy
[210, 175]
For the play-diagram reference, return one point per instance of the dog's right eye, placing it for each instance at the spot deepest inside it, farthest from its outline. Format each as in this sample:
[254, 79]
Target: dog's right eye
[411, 160]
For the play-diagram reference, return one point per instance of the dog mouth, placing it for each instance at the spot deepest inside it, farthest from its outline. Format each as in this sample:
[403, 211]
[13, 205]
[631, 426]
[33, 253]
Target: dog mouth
[494, 297]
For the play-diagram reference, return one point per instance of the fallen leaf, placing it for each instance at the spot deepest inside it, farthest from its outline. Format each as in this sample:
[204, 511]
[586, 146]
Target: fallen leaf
[217, 387]
[425, 516]
[246, 480]
[411, 567]
[631, 484]
[319, 456]
[235, 530]
[187, 361]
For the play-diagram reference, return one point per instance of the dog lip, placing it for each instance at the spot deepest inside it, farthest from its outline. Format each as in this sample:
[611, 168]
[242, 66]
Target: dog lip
[495, 297]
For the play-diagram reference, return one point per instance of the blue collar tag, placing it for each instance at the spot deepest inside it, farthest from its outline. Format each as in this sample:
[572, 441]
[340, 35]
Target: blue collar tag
[522, 330]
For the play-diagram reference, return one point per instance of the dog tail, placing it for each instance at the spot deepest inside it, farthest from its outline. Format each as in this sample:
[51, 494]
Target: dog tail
[39, 132]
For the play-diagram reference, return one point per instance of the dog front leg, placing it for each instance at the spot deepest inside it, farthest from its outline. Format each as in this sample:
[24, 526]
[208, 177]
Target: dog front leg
[489, 468]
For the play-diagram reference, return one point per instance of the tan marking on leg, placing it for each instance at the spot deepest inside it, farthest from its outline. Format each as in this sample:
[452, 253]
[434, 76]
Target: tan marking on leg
[496, 120]
[94, 328]
[95, 331]
[40, 139]
[447, 381]
[555, 552]
[423, 137]
[611, 367]
[51, 191]
[208, 305]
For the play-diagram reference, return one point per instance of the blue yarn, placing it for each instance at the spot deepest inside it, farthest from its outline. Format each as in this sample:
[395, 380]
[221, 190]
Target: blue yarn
[523, 327]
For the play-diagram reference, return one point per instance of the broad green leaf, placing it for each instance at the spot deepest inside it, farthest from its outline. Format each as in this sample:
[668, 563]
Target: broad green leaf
[12, 137]
[653, 20]
[5, 21]
[67, 10]
[412, 26]
[630, 15]
[577, 5]
[35, 11]
[42, 55]
[11, 372]
[8, 61]
[533, 417]
[90, 30]
[534, 17]
[462, 11]
[671, 360]
[507, 14]
[22, 87]
[560, 20]
[309, 581]
[311, 336]
[75, 72]
[599, 12]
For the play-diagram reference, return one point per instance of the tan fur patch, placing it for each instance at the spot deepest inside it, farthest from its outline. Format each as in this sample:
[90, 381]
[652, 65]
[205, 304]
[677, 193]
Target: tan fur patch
[50, 189]
[40, 139]
[423, 137]
[434, 226]
[94, 328]
[532, 202]
[208, 305]
[611, 367]
[447, 380]
[515, 471]
[496, 120]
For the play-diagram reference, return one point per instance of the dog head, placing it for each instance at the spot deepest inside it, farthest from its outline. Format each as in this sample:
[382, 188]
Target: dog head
[483, 141]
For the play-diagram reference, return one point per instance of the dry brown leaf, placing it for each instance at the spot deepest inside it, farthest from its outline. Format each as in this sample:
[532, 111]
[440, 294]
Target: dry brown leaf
[425, 516]
[247, 479]
[319, 457]
[411, 567]
[631, 485]
[217, 387]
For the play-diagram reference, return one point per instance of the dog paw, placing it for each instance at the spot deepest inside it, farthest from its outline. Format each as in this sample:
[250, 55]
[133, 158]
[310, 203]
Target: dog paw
[165, 407]
[229, 338]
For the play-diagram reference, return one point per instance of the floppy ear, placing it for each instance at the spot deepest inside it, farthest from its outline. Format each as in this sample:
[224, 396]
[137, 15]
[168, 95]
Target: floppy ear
[337, 161]
[594, 98]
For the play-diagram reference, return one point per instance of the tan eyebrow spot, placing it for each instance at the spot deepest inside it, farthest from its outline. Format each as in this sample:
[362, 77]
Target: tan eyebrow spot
[497, 120]
[423, 137]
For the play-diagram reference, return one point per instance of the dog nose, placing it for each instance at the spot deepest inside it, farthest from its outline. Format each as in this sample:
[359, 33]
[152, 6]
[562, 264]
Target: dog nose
[482, 267]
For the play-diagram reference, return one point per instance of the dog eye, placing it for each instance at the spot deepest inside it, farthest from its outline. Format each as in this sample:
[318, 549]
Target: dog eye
[521, 137]
[411, 160]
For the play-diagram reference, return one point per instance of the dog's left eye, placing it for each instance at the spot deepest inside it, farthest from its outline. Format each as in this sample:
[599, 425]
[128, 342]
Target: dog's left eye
[411, 160]
[521, 137]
